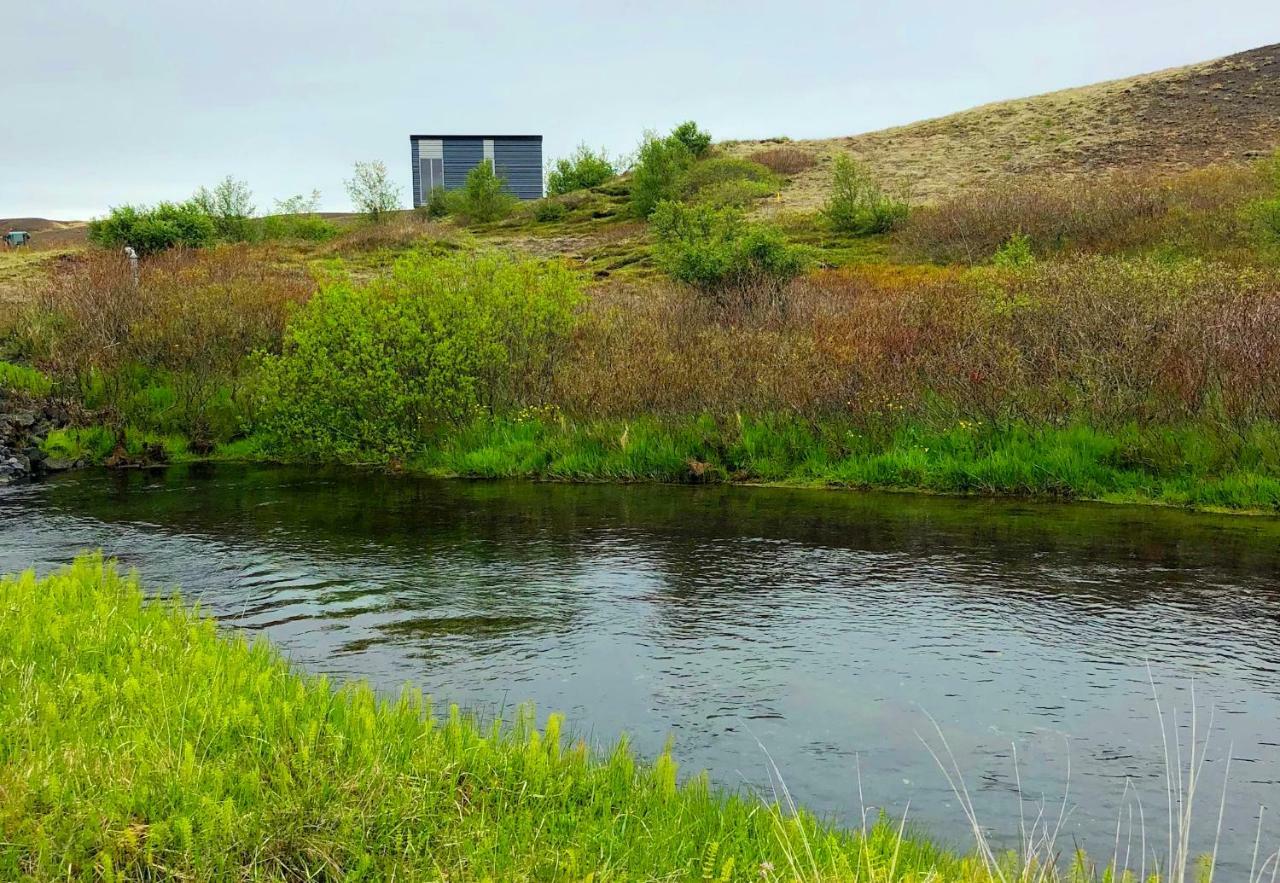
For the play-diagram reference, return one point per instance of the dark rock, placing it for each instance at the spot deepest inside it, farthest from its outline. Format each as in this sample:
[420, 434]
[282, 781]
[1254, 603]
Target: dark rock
[58, 464]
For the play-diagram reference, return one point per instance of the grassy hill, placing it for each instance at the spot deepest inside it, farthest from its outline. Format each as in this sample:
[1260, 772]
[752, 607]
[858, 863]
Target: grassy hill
[1226, 110]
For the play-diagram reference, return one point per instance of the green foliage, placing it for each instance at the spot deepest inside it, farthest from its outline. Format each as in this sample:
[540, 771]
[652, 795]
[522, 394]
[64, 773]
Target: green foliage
[857, 205]
[155, 229]
[372, 191]
[696, 140]
[437, 204]
[484, 196]
[230, 205]
[1014, 253]
[726, 180]
[24, 379]
[582, 169]
[140, 743]
[721, 254]
[368, 370]
[296, 218]
[548, 210]
[661, 164]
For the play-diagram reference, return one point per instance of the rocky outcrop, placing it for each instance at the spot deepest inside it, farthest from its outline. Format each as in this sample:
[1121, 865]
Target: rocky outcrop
[23, 426]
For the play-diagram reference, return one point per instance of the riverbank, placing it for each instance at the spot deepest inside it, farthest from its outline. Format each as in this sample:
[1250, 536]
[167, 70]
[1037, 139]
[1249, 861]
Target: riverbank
[139, 741]
[1193, 467]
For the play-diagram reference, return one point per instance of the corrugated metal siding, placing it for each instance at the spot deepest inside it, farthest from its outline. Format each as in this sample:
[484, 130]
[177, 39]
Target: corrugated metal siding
[519, 160]
[417, 176]
[461, 155]
[516, 158]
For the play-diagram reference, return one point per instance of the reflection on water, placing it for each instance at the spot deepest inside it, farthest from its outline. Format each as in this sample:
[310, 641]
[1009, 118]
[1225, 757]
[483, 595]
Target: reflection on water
[819, 625]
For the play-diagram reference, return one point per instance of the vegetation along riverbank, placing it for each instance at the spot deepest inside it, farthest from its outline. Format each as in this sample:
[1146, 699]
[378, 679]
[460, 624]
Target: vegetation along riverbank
[1112, 337]
[139, 742]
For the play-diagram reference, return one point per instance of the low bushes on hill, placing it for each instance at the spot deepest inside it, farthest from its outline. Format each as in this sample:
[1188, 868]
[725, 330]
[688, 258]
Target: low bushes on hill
[149, 230]
[697, 141]
[1214, 212]
[784, 160]
[367, 370]
[857, 205]
[729, 260]
[483, 197]
[582, 169]
[725, 180]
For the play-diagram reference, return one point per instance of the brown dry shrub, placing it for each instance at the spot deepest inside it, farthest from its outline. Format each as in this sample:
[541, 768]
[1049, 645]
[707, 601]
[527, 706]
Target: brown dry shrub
[784, 160]
[196, 316]
[1102, 339]
[1198, 212]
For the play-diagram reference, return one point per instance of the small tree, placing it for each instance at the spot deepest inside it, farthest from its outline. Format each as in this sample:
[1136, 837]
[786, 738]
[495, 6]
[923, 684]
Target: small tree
[857, 204]
[697, 140]
[230, 205]
[372, 191]
[581, 169]
[658, 173]
[484, 196]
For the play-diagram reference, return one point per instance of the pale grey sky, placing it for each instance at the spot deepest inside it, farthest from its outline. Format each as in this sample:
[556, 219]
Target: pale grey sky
[105, 103]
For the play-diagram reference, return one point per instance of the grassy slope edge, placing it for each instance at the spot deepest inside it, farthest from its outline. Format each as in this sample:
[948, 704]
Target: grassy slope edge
[136, 742]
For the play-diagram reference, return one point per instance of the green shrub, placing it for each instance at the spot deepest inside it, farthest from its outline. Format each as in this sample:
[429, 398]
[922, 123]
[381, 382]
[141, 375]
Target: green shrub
[155, 229]
[1015, 252]
[438, 205]
[367, 370]
[230, 205]
[483, 198]
[548, 210]
[696, 140]
[661, 164]
[296, 218]
[727, 180]
[726, 258]
[857, 204]
[580, 170]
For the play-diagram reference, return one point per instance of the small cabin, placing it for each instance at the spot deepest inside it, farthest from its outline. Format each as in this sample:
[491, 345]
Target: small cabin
[444, 160]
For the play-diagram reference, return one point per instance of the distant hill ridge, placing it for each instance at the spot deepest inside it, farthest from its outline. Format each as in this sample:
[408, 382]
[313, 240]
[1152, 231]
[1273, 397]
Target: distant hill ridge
[1225, 110]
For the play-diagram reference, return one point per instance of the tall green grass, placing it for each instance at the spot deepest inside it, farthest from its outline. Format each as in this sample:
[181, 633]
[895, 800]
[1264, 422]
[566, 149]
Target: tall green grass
[137, 742]
[1195, 466]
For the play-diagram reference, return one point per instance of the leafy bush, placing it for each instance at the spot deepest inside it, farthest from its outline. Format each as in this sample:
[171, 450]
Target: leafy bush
[580, 170]
[296, 218]
[660, 167]
[483, 197]
[784, 160]
[152, 230]
[857, 204]
[372, 191]
[230, 205]
[367, 370]
[696, 140]
[437, 203]
[1015, 252]
[548, 210]
[726, 181]
[729, 260]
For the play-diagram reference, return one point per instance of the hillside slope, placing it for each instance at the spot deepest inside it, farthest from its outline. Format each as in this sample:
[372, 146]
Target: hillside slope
[1224, 110]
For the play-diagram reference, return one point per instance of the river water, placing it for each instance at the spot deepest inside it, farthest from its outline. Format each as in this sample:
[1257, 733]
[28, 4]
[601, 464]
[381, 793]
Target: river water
[819, 631]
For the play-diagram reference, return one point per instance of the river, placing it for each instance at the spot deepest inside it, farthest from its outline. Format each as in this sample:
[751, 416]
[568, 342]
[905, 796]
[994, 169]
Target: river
[818, 629]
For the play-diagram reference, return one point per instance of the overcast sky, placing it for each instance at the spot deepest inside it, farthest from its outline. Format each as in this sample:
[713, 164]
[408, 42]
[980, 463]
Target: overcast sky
[105, 103]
